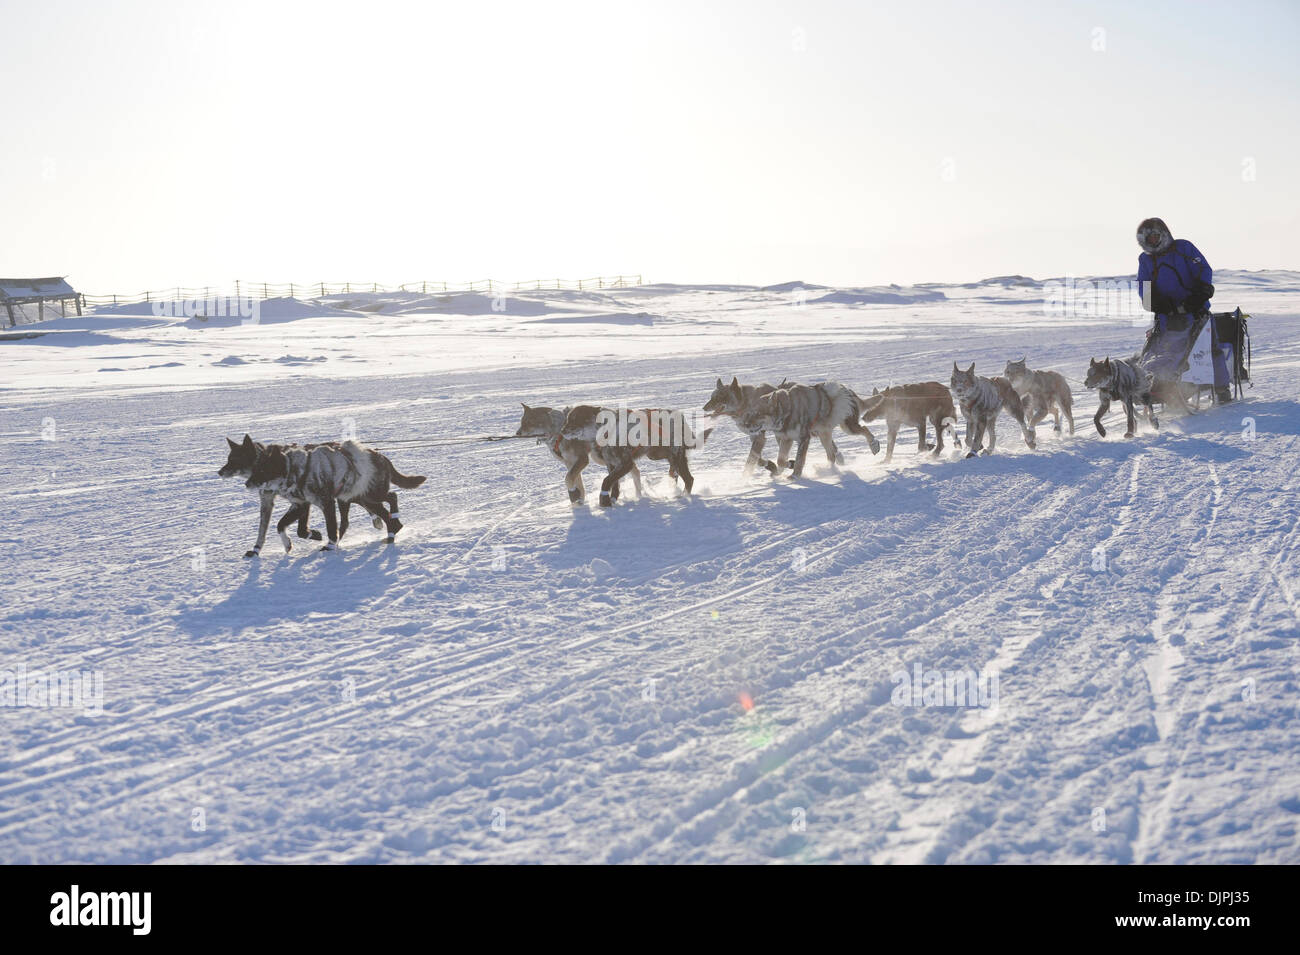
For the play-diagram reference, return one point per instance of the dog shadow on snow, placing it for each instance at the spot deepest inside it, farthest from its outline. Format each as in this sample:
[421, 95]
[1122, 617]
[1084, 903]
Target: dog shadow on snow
[279, 587]
[641, 538]
[814, 499]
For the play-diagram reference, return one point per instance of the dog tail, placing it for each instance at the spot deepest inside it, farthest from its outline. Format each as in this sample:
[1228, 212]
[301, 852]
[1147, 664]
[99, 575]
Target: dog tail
[404, 481]
[847, 408]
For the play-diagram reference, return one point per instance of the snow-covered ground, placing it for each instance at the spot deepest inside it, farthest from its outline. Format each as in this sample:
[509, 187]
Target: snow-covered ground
[672, 680]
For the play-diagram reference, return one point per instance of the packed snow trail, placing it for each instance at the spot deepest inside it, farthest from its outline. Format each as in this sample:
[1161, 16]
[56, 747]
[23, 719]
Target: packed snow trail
[670, 680]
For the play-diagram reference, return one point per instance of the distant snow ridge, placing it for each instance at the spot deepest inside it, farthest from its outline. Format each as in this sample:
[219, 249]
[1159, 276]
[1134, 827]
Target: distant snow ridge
[1012, 281]
[887, 295]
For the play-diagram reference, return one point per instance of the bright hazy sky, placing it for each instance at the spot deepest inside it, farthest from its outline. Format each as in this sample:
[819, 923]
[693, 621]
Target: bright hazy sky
[153, 144]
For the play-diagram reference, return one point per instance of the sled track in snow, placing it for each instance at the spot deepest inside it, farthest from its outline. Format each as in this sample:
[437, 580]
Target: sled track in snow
[788, 752]
[456, 669]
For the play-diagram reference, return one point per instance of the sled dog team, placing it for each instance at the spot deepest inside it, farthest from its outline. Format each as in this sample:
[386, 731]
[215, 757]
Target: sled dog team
[335, 475]
[794, 414]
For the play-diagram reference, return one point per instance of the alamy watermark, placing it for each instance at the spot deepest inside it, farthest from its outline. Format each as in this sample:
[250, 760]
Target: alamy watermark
[83, 689]
[1094, 298]
[247, 309]
[923, 687]
[651, 428]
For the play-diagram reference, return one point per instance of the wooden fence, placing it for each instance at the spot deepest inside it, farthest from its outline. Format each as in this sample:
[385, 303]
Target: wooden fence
[315, 290]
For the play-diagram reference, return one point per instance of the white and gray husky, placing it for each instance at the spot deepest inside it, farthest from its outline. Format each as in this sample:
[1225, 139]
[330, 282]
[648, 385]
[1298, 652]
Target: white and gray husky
[798, 412]
[981, 399]
[1042, 393]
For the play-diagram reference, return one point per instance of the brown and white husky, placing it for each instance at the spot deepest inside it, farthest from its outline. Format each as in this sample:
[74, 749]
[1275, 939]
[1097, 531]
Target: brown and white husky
[735, 401]
[625, 435]
[546, 424]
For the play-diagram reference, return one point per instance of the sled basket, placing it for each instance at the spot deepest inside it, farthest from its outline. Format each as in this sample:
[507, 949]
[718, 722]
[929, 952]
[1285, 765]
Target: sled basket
[1183, 351]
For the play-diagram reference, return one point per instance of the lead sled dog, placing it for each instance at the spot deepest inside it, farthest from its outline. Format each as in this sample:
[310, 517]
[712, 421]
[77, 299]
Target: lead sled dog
[335, 474]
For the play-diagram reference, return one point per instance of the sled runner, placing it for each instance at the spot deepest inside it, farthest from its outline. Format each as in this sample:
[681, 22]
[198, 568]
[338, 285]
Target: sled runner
[1182, 352]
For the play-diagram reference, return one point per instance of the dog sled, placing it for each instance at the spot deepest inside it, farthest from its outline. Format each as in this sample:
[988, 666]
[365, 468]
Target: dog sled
[1191, 356]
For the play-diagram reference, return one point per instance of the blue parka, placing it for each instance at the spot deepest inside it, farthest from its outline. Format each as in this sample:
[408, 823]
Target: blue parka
[1172, 278]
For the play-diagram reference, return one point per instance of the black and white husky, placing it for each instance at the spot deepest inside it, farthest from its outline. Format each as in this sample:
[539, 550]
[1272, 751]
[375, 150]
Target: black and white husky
[327, 475]
[1124, 380]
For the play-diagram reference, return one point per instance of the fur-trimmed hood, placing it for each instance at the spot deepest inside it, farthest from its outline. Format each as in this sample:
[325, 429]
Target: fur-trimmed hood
[1154, 236]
